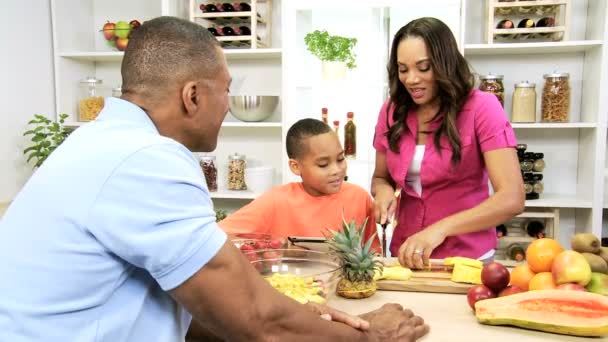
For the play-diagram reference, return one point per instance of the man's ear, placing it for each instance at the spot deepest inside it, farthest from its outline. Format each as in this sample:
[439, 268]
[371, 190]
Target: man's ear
[294, 166]
[191, 97]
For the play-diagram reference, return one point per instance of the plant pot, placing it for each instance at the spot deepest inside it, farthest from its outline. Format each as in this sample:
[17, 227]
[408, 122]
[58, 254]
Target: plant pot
[333, 71]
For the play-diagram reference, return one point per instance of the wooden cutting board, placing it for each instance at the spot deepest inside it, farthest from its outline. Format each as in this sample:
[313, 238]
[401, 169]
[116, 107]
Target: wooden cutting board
[436, 280]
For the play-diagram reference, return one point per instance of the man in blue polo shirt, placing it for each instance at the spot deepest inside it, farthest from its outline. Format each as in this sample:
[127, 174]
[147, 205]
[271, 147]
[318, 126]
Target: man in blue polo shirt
[114, 237]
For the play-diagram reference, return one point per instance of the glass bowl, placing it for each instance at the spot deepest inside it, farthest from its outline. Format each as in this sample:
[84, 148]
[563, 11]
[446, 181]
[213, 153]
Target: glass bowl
[303, 275]
[255, 241]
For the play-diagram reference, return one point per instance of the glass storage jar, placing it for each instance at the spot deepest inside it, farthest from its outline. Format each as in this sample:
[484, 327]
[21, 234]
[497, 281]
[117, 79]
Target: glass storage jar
[236, 172]
[555, 105]
[91, 99]
[207, 163]
[493, 84]
[117, 92]
[524, 102]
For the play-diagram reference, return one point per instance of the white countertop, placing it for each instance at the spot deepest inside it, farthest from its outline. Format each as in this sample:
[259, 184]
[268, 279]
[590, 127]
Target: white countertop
[450, 318]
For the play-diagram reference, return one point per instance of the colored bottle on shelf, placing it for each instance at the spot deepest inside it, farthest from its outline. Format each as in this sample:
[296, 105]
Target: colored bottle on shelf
[516, 252]
[336, 126]
[324, 115]
[228, 31]
[242, 7]
[242, 31]
[209, 8]
[350, 136]
[501, 230]
[225, 7]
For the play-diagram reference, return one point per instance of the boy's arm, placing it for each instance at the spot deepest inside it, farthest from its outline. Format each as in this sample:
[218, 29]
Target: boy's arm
[255, 217]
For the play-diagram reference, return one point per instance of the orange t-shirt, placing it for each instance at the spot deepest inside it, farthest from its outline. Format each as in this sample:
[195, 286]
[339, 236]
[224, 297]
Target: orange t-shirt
[288, 210]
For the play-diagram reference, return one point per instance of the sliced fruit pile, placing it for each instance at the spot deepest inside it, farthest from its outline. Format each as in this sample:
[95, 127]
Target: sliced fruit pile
[303, 290]
[465, 270]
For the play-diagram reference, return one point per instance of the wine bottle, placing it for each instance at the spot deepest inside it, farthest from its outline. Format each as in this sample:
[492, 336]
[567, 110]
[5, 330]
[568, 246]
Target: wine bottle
[242, 6]
[516, 252]
[242, 31]
[228, 31]
[535, 229]
[213, 31]
[350, 136]
[525, 23]
[226, 7]
[501, 230]
[209, 8]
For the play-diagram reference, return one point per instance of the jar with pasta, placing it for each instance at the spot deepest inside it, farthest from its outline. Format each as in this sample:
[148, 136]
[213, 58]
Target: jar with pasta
[493, 84]
[236, 172]
[555, 105]
[91, 99]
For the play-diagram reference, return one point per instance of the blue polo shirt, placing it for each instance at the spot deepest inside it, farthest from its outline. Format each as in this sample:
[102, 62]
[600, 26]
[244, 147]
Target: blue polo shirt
[113, 219]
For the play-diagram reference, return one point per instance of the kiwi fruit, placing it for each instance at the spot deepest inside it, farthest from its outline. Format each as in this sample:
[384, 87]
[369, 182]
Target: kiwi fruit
[597, 263]
[603, 253]
[585, 243]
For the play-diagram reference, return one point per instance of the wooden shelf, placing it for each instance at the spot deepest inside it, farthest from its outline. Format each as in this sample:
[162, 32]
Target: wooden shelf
[559, 201]
[238, 16]
[116, 56]
[531, 48]
[542, 125]
[530, 30]
[530, 3]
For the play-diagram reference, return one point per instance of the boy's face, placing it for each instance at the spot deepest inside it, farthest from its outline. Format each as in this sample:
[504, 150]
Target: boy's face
[322, 167]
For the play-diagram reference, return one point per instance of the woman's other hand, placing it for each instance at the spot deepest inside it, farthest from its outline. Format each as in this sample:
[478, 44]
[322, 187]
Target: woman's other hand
[416, 251]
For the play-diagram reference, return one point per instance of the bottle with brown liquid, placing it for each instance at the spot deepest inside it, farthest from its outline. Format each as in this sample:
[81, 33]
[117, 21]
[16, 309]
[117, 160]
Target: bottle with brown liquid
[516, 252]
[350, 137]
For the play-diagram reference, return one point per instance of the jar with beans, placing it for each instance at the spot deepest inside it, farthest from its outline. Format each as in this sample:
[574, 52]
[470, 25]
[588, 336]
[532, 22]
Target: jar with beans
[555, 105]
[207, 163]
[493, 84]
[236, 172]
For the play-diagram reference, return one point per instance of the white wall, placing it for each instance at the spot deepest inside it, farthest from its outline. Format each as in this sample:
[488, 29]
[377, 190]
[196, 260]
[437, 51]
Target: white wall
[26, 87]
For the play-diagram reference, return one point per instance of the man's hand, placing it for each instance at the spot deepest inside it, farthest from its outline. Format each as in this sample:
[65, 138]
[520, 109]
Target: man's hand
[332, 314]
[393, 323]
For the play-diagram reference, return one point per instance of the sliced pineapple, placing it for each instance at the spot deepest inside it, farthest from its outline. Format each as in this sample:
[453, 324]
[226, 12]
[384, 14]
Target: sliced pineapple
[466, 274]
[452, 261]
[394, 273]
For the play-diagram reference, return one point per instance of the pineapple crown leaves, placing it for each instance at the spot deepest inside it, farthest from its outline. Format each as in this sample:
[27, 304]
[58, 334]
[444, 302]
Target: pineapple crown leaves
[356, 259]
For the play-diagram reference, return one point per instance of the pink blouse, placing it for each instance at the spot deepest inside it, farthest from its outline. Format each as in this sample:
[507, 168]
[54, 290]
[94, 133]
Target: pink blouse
[446, 189]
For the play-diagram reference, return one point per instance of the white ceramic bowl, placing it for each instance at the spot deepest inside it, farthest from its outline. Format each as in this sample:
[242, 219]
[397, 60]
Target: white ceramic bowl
[253, 108]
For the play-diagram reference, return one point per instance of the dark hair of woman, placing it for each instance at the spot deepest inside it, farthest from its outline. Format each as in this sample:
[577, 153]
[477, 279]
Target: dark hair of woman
[452, 74]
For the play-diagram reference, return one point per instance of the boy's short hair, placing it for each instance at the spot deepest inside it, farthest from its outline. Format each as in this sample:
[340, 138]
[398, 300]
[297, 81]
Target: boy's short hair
[300, 130]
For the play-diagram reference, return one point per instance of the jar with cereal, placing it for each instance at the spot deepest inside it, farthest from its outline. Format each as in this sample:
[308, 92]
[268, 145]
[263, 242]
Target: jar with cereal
[555, 105]
[493, 84]
[236, 172]
[91, 99]
[207, 163]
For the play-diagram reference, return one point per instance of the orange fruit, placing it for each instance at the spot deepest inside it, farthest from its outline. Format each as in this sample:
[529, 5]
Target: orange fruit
[540, 254]
[521, 276]
[542, 281]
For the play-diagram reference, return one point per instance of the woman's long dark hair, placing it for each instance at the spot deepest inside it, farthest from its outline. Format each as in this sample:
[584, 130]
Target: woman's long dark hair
[452, 74]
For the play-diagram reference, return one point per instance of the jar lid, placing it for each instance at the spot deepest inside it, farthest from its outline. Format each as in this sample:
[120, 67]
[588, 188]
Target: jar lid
[91, 80]
[557, 74]
[207, 157]
[525, 84]
[236, 156]
[491, 77]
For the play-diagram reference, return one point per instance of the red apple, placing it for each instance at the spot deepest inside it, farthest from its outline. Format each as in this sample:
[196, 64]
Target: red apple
[121, 43]
[495, 276]
[477, 293]
[135, 24]
[108, 30]
[571, 287]
[511, 289]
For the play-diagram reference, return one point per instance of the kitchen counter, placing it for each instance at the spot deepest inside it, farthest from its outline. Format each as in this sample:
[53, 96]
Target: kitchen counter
[450, 318]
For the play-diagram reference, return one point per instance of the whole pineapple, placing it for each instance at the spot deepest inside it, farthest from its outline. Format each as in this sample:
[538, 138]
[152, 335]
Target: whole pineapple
[356, 260]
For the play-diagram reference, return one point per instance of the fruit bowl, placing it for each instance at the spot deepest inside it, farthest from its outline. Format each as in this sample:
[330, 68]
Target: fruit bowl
[303, 275]
[253, 108]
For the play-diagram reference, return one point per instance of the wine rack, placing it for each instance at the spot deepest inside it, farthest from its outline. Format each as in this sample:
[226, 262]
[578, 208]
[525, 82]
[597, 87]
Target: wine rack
[234, 27]
[553, 15]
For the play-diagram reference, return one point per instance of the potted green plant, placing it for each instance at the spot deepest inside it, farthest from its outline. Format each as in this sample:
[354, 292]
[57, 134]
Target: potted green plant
[47, 135]
[335, 52]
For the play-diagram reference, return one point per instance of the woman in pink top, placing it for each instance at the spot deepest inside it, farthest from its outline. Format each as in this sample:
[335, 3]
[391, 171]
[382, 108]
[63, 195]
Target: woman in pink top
[438, 140]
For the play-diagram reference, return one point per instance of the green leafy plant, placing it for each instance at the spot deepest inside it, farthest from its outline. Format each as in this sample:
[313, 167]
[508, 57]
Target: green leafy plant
[331, 48]
[220, 214]
[47, 135]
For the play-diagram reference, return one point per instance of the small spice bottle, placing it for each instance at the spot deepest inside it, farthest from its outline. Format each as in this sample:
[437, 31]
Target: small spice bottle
[493, 84]
[539, 162]
[207, 163]
[236, 172]
[336, 126]
[555, 105]
[524, 102]
[324, 115]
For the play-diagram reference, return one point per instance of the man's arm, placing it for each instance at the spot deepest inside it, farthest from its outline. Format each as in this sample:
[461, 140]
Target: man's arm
[229, 298]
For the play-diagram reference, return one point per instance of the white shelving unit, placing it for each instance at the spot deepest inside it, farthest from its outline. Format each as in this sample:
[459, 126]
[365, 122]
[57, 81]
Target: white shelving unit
[80, 50]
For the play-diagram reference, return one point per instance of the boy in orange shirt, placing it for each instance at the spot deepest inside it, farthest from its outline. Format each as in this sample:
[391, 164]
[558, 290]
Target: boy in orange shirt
[307, 208]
